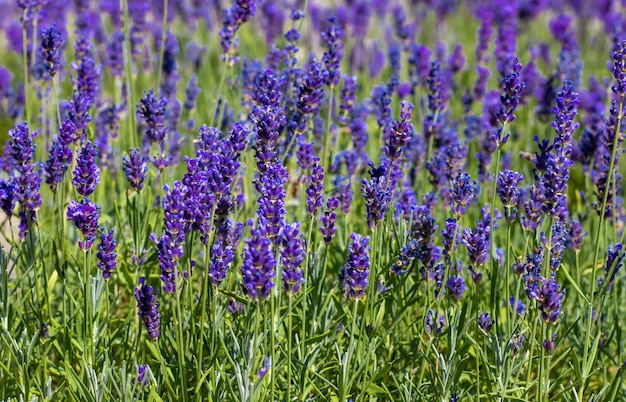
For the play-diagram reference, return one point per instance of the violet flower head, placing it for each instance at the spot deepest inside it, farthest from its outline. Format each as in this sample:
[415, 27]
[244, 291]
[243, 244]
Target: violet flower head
[485, 322]
[456, 287]
[463, 192]
[235, 16]
[549, 345]
[115, 53]
[310, 91]
[106, 253]
[506, 187]
[7, 196]
[85, 216]
[221, 257]
[376, 193]
[327, 221]
[142, 374]
[18, 153]
[78, 112]
[169, 251]
[135, 169]
[258, 265]
[511, 91]
[61, 155]
[292, 256]
[148, 307]
[333, 37]
[151, 110]
[619, 70]
[347, 99]
[354, 274]
[437, 88]
[401, 131]
[86, 173]
[191, 92]
[51, 44]
[477, 242]
[550, 300]
[271, 212]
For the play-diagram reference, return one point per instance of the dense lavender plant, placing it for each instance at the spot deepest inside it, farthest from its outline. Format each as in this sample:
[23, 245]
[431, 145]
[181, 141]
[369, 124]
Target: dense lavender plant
[135, 169]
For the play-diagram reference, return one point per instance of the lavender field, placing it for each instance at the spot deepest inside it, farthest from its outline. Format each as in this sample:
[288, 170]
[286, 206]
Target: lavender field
[350, 200]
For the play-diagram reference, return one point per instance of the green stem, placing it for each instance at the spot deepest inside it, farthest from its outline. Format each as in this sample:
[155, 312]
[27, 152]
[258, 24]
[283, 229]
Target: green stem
[289, 346]
[25, 64]
[179, 344]
[128, 68]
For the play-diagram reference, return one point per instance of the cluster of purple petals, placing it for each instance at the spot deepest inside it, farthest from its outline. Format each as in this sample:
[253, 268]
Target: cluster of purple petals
[151, 109]
[25, 181]
[423, 231]
[507, 189]
[546, 292]
[462, 192]
[456, 287]
[272, 193]
[376, 193]
[347, 99]
[614, 261]
[235, 16]
[85, 216]
[148, 308]
[60, 157]
[292, 256]
[477, 242]
[107, 257]
[333, 38]
[327, 220]
[221, 257]
[485, 322]
[51, 44]
[78, 113]
[86, 172]
[430, 325]
[135, 169]
[355, 272]
[258, 265]
[314, 191]
[87, 74]
[401, 131]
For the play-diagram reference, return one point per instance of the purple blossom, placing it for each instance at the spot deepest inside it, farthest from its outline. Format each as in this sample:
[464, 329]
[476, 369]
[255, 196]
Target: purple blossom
[619, 70]
[327, 221]
[135, 169]
[258, 265]
[507, 190]
[315, 198]
[7, 196]
[271, 188]
[148, 307]
[376, 193]
[485, 322]
[61, 155]
[292, 255]
[401, 131]
[85, 216]
[78, 113]
[614, 261]
[463, 192]
[115, 53]
[51, 44]
[191, 93]
[221, 257]
[456, 287]
[354, 274]
[235, 16]
[142, 374]
[86, 173]
[347, 99]
[106, 253]
[151, 110]
[333, 38]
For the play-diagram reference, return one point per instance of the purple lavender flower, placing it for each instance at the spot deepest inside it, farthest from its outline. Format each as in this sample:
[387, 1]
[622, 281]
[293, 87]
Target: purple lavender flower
[87, 78]
[191, 93]
[292, 255]
[327, 221]
[315, 189]
[235, 16]
[550, 299]
[477, 242]
[511, 90]
[85, 216]
[221, 257]
[61, 155]
[485, 322]
[605, 188]
[430, 325]
[78, 113]
[517, 343]
[506, 188]
[258, 265]
[310, 91]
[619, 70]
[548, 345]
[86, 173]
[271, 212]
[463, 192]
[106, 253]
[148, 307]
[7, 196]
[347, 99]
[51, 44]
[234, 307]
[401, 131]
[354, 274]
[135, 169]
[151, 110]
[266, 367]
[437, 89]
[115, 53]
[333, 37]
[456, 287]
[517, 306]
[376, 193]
[18, 159]
[485, 31]
[142, 374]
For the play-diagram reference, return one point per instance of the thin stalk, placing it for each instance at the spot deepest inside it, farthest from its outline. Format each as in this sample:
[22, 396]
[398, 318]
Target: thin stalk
[326, 150]
[25, 63]
[128, 68]
[477, 301]
[289, 346]
[88, 315]
[179, 345]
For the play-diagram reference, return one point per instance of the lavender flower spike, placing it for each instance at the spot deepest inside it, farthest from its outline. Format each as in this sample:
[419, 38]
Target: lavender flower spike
[356, 271]
[292, 255]
[135, 169]
[85, 216]
[86, 173]
[106, 253]
[151, 109]
[258, 265]
[148, 308]
[401, 132]
[51, 43]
